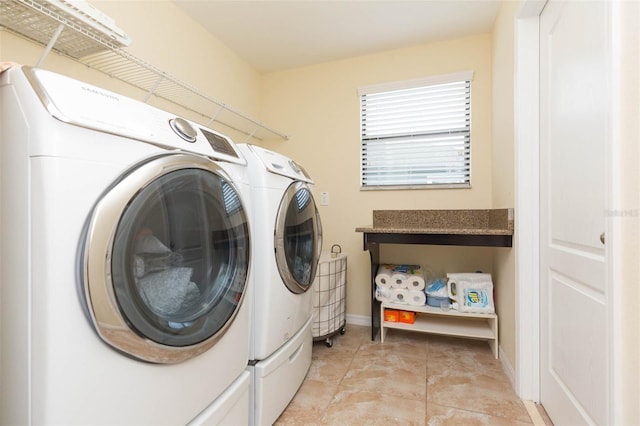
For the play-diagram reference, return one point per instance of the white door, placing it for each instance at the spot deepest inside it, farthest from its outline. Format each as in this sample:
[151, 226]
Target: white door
[574, 298]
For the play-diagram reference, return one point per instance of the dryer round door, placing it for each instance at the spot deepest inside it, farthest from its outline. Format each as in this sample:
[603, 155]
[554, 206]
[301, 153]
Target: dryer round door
[298, 238]
[166, 259]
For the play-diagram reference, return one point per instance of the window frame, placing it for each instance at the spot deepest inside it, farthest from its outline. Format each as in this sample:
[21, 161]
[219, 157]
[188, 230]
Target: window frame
[464, 76]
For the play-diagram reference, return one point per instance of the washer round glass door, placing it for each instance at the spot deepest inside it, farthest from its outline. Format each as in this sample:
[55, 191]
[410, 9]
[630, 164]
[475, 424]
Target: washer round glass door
[166, 259]
[298, 238]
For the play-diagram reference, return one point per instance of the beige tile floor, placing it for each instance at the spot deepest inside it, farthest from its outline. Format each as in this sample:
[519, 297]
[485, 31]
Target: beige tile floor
[410, 379]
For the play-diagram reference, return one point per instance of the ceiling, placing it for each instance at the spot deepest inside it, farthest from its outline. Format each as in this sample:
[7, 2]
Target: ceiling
[273, 35]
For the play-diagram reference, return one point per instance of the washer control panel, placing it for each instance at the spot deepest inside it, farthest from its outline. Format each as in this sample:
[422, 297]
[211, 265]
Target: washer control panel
[183, 129]
[92, 107]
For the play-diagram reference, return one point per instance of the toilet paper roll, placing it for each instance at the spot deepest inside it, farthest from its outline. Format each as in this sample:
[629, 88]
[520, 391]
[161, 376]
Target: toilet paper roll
[383, 280]
[383, 294]
[415, 282]
[399, 280]
[417, 298]
[383, 277]
[408, 276]
[400, 295]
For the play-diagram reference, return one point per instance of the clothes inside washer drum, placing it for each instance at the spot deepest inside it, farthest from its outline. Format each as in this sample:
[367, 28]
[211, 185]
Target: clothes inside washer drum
[148, 243]
[166, 291]
[145, 263]
[302, 270]
[153, 256]
[192, 296]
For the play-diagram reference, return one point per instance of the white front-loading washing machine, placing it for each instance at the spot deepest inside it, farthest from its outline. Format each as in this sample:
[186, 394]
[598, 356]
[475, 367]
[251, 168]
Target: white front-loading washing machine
[286, 245]
[125, 292]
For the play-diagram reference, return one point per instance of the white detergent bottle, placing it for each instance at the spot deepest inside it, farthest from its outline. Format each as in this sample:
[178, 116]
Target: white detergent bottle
[471, 292]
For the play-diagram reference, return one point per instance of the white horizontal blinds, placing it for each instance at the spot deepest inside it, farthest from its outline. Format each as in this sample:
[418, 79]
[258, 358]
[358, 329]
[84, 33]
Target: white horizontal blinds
[415, 136]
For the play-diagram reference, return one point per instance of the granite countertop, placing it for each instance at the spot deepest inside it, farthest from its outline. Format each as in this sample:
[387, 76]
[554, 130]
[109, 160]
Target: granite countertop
[459, 222]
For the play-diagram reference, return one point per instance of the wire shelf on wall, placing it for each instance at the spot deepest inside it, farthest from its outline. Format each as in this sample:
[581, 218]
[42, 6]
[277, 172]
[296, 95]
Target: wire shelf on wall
[43, 23]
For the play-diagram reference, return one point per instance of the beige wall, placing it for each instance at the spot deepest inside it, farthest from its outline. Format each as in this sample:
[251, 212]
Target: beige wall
[168, 39]
[319, 107]
[503, 169]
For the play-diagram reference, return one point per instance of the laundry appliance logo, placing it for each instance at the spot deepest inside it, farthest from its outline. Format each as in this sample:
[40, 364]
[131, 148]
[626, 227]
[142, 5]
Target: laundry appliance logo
[94, 91]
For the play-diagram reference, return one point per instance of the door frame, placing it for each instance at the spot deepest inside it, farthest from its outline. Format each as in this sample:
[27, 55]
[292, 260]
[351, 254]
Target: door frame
[526, 234]
[527, 208]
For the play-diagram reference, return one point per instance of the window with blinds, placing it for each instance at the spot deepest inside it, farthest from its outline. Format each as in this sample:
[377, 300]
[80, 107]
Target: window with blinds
[417, 134]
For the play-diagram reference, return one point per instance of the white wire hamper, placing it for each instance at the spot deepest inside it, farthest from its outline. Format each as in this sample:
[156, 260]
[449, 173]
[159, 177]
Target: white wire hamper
[329, 296]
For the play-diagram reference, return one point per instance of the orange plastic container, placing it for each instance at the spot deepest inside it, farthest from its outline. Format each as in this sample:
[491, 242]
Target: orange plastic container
[391, 315]
[407, 317]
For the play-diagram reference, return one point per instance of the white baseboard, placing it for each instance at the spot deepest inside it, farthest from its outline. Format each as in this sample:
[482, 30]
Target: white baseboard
[359, 319]
[507, 367]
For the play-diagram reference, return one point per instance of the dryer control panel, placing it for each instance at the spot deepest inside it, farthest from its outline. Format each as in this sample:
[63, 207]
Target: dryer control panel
[281, 165]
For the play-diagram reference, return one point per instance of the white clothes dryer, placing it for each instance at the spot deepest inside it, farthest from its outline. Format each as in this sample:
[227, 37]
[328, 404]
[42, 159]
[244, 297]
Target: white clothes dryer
[286, 245]
[125, 295]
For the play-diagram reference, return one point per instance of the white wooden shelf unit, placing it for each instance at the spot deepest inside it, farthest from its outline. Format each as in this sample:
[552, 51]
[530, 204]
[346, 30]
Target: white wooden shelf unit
[45, 24]
[434, 320]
